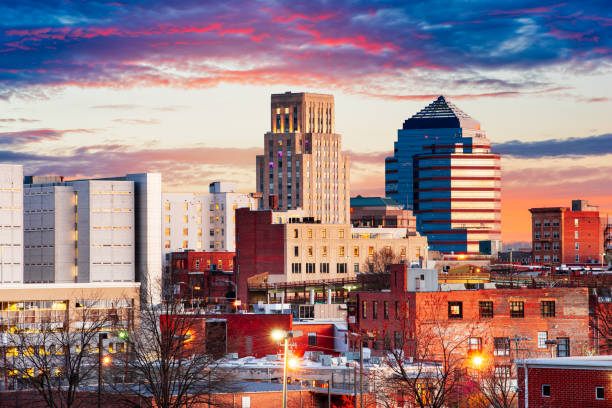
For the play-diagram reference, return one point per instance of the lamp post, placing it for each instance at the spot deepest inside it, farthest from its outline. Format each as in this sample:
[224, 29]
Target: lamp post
[101, 360]
[279, 335]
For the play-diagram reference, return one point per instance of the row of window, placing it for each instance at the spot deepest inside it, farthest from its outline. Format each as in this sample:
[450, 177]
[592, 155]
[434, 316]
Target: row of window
[323, 268]
[485, 309]
[398, 311]
[341, 250]
[599, 392]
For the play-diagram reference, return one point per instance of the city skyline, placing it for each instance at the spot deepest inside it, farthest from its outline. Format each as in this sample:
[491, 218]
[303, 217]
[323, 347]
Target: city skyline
[87, 91]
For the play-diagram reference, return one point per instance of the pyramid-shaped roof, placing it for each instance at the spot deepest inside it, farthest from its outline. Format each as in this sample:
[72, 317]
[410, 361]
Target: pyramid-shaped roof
[441, 113]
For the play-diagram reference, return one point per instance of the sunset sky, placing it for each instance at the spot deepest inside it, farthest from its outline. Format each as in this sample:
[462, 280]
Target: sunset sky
[105, 88]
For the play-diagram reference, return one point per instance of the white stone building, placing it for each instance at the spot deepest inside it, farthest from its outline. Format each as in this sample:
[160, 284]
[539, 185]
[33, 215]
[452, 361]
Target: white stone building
[202, 221]
[11, 223]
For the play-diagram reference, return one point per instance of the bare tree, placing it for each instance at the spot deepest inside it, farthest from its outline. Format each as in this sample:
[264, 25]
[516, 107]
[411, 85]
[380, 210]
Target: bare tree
[174, 360]
[54, 354]
[495, 386]
[429, 358]
[381, 261]
[601, 321]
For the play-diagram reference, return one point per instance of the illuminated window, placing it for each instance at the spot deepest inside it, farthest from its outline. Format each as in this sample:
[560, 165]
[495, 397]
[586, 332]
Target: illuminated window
[167, 206]
[199, 232]
[356, 251]
[371, 251]
[295, 233]
[185, 244]
[309, 251]
[455, 310]
[324, 251]
[185, 231]
[403, 252]
[185, 206]
[517, 309]
[309, 233]
[167, 232]
[324, 233]
[341, 251]
[167, 219]
[341, 233]
[167, 244]
[185, 219]
[199, 244]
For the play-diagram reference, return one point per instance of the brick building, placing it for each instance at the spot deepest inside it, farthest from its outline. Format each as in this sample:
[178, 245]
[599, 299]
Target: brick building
[561, 235]
[547, 382]
[200, 275]
[496, 316]
[294, 249]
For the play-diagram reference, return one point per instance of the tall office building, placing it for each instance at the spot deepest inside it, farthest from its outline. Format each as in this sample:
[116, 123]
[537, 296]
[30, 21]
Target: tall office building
[202, 221]
[303, 165]
[443, 169]
[11, 223]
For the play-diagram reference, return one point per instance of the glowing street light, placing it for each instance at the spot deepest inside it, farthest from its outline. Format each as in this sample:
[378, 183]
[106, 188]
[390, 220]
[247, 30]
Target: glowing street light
[106, 360]
[477, 361]
[281, 335]
[293, 363]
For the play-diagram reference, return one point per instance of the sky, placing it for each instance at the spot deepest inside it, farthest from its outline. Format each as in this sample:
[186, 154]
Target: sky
[101, 88]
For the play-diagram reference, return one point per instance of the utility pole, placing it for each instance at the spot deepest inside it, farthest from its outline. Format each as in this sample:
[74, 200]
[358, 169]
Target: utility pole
[361, 369]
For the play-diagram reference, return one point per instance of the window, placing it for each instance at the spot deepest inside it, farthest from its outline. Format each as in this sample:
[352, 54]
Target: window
[167, 231]
[309, 251]
[296, 251]
[310, 268]
[341, 251]
[341, 233]
[486, 309]
[167, 244]
[356, 251]
[375, 309]
[577, 246]
[397, 339]
[185, 244]
[211, 232]
[197, 264]
[309, 233]
[364, 307]
[575, 222]
[546, 390]
[324, 233]
[542, 337]
[475, 344]
[370, 251]
[167, 206]
[563, 347]
[185, 219]
[324, 251]
[397, 309]
[599, 393]
[246, 402]
[386, 310]
[577, 258]
[296, 268]
[501, 346]
[455, 310]
[356, 268]
[295, 233]
[517, 309]
[167, 219]
[575, 234]
[306, 311]
[312, 339]
[324, 268]
[548, 308]
[341, 268]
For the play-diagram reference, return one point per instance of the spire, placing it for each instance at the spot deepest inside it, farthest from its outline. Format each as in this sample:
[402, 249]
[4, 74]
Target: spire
[441, 113]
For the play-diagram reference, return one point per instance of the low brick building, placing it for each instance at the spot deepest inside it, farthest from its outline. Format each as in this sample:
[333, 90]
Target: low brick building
[565, 382]
[201, 275]
[495, 317]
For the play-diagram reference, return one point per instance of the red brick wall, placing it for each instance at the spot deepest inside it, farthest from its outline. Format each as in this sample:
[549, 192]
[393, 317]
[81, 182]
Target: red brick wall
[568, 387]
[325, 338]
[590, 237]
[203, 281]
[250, 334]
[260, 247]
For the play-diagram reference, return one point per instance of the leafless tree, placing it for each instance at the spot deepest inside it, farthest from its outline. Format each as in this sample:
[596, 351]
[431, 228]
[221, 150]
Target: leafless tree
[429, 358]
[495, 386]
[601, 321]
[174, 360]
[381, 261]
[52, 354]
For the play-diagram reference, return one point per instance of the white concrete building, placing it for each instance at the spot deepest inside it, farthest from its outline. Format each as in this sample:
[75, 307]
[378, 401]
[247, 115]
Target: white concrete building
[79, 231]
[202, 221]
[11, 223]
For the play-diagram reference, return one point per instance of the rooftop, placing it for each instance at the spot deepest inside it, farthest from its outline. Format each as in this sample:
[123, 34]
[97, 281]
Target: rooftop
[595, 362]
[360, 201]
[441, 114]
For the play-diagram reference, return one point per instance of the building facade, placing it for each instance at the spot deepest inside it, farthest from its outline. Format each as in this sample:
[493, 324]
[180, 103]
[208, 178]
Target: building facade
[563, 235]
[443, 169]
[79, 231]
[494, 317]
[11, 223]
[303, 165]
[298, 249]
[202, 222]
[565, 382]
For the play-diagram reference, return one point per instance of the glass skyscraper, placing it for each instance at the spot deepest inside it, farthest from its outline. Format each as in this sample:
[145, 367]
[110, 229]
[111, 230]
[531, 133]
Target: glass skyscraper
[443, 169]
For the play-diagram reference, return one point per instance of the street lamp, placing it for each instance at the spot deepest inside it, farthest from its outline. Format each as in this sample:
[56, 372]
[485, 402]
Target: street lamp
[101, 361]
[281, 335]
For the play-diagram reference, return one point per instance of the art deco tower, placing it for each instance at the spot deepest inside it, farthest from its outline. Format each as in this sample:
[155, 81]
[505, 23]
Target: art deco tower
[303, 166]
[443, 169]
